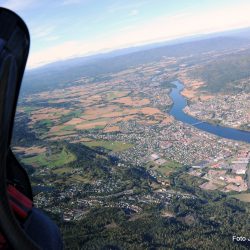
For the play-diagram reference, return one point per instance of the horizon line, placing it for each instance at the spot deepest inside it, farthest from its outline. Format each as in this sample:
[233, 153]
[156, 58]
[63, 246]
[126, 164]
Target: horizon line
[136, 45]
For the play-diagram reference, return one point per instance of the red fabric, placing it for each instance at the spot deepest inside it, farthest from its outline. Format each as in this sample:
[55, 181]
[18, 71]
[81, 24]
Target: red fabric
[18, 211]
[13, 192]
[20, 205]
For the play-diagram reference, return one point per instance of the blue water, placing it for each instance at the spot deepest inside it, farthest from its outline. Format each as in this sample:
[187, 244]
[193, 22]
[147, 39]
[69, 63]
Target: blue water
[177, 111]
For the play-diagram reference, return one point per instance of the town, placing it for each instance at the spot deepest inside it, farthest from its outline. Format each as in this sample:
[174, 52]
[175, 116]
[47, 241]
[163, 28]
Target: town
[127, 119]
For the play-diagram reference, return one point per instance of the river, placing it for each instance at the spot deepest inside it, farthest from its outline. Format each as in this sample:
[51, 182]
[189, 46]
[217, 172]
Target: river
[180, 103]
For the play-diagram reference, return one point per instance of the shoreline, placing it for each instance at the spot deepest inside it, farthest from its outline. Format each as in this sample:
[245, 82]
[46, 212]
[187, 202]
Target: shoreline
[207, 121]
[180, 102]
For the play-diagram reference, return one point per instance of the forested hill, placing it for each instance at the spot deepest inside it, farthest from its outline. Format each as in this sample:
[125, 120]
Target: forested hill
[56, 75]
[229, 73]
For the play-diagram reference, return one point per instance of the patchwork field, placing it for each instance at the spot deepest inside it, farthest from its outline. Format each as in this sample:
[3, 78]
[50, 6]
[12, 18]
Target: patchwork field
[30, 150]
[91, 109]
[132, 101]
[73, 113]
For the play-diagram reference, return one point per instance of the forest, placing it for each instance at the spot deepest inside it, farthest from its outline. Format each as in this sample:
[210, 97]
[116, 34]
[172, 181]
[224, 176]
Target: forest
[206, 222]
[223, 74]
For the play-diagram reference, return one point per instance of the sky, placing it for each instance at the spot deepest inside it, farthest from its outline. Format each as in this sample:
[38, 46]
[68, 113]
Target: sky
[63, 29]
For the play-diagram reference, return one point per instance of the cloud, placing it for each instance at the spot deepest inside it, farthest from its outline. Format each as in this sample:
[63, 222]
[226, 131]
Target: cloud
[159, 29]
[51, 38]
[18, 5]
[45, 33]
[183, 24]
[133, 12]
[66, 50]
[120, 6]
[59, 52]
[70, 2]
[42, 31]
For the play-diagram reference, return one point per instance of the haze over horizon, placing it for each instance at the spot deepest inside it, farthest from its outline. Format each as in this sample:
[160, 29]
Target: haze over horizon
[75, 28]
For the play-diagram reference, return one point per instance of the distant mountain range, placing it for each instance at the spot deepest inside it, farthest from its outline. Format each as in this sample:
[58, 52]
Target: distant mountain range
[62, 72]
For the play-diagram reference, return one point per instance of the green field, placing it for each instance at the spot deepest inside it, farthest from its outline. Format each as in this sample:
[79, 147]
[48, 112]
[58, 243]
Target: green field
[47, 123]
[79, 178]
[69, 116]
[53, 160]
[68, 128]
[115, 146]
[64, 170]
[166, 168]
[105, 119]
[99, 127]
[60, 133]
[28, 109]
[115, 94]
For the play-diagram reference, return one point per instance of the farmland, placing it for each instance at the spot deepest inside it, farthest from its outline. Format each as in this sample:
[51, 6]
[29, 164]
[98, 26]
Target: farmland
[44, 160]
[114, 146]
[107, 159]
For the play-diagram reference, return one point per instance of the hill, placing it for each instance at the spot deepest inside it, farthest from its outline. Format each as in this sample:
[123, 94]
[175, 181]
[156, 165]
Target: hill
[229, 73]
[63, 73]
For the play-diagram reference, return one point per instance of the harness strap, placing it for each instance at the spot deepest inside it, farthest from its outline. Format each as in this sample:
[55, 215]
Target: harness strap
[21, 206]
[19, 203]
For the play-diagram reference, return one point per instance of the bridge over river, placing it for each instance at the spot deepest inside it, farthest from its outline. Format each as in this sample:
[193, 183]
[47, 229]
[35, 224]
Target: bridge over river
[177, 111]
